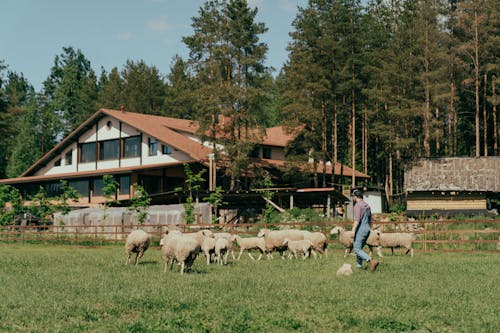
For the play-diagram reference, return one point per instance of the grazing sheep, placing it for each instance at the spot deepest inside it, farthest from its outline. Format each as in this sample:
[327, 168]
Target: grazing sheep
[200, 235]
[296, 247]
[396, 239]
[318, 239]
[176, 247]
[208, 248]
[222, 247]
[345, 270]
[137, 242]
[251, 243]
[230, 237]
[274, 239]
[346, 237]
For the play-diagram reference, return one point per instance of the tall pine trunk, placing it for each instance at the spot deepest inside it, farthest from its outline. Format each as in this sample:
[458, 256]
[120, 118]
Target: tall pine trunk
[485, 117]
[495, 123]
[476, 79]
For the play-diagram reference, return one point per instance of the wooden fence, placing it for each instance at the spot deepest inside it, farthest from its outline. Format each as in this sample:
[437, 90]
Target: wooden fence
[448, 235]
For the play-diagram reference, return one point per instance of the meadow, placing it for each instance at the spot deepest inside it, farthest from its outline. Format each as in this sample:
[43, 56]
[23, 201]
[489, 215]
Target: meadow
[63, 288]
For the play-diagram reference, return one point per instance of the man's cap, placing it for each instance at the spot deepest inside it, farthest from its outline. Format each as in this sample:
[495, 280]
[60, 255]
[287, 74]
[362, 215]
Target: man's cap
[357, 193]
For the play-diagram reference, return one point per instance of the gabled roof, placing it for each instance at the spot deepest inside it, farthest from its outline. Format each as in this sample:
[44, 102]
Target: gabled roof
[161, 128]
[339, 169]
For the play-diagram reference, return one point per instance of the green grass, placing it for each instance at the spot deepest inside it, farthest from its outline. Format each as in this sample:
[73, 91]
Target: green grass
[59, 288]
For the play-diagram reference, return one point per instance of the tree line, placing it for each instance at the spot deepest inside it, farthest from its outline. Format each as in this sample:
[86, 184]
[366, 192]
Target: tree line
[373, 86]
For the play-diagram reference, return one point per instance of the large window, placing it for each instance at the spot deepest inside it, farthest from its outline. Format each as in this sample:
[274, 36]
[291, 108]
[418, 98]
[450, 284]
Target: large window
[81, 186]
[109, 150]
[125, 185]
[97, 186]
[132, 146]
[88, 152]
[153, 146]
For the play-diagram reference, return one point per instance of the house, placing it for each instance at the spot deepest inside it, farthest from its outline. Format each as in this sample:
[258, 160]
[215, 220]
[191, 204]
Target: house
[445, 186]
[144, 149]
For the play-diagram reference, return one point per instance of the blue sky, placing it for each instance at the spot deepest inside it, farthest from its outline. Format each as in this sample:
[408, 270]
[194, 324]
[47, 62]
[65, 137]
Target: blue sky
[33, 32]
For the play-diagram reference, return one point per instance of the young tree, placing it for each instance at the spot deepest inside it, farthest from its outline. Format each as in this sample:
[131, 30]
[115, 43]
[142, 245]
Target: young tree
[139, 203]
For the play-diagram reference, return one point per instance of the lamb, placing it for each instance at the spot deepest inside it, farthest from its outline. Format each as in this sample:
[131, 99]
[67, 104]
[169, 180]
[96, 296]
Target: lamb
[347, 239]
[137, 242]
[274, 239]
[176, 247]
[296, 247]
[200, 235]
[251, 243]
[230, 237]
[222, 248]
[396, 239]
[208, 248]
[318, 239]
[345, 269]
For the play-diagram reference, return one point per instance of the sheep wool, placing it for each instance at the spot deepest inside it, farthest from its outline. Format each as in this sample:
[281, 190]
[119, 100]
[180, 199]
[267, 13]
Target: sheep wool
[137, 242]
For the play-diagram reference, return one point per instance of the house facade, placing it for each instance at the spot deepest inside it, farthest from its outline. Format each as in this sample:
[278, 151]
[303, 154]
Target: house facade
[454, 185]
[138, 149]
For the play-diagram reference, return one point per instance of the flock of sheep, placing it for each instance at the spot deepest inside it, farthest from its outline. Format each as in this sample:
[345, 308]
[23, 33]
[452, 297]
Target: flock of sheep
[183, 248]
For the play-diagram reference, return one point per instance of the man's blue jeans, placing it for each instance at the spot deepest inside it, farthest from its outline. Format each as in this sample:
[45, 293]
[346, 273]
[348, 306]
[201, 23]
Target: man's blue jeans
[360, 238]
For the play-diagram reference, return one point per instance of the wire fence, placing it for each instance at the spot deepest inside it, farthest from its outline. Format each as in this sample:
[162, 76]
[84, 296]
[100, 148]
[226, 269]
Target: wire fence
[447, 235]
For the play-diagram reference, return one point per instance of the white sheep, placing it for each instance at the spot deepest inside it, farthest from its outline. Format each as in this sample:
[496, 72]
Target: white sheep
[208, 248]
[251, 243]
[200, 235]
[222, 248]
[230, 237]
[345, 269]
[274, 239]
[346, 237]
[137, 242]
[302, 247]
[396, 239]
[318, 239]
[176, 247]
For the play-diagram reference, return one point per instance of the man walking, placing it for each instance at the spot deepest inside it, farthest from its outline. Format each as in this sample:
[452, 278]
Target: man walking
[361, 229]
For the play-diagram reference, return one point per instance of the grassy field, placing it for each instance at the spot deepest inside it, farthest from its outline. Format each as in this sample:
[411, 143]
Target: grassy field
[57, 288]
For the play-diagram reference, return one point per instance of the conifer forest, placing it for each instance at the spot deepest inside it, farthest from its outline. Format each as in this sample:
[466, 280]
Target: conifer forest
[373, 84]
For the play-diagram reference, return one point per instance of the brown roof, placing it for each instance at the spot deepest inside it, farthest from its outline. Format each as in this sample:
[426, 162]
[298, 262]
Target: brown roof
[167, 130]
[345, 170]
[454, 174]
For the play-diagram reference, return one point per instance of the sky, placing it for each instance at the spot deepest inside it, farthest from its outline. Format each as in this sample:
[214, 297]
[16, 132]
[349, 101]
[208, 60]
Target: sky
[110, 32]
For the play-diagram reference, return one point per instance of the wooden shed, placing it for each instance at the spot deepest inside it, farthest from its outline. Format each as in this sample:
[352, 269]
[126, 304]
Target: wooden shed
[449, 186]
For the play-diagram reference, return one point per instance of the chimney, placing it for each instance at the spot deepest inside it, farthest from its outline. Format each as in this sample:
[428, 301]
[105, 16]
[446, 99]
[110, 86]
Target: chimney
[122, 108]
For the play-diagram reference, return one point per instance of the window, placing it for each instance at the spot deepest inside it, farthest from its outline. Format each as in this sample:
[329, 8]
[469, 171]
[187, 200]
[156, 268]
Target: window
[97, 186]
[166, 149]
[125, 185]
[57, 162]
[153, 146]
[109, 149]
[266, 152]
[81, 186]
[109, 124]
[254, 152]
[88, 152]
[68, 158]
[132, 146]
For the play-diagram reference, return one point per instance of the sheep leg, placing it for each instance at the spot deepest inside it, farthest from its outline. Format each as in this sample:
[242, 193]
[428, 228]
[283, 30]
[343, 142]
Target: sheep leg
[138, 256]
[127, 261]
[225, 258]
[250, 255]
[314, 254]
[379, 251]
[241, 252]
[347, 251]
[260, 256]
[207, 255]
[183, 265]
[232, 255]
[392, 250]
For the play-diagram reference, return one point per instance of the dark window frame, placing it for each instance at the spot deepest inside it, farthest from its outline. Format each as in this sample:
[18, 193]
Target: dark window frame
[83, 157]
[102, 150]
[130, 138]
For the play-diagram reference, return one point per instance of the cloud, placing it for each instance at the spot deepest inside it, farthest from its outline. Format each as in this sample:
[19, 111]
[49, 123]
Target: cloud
[127, 35]
[158, 25]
